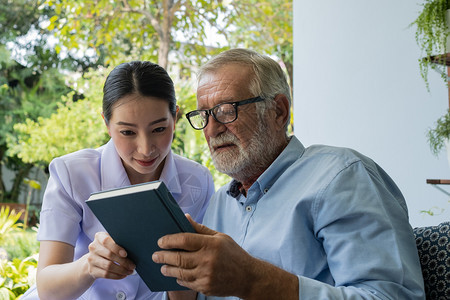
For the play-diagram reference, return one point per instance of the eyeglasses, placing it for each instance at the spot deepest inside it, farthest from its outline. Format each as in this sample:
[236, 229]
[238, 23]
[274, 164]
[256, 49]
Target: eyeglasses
[223, 113]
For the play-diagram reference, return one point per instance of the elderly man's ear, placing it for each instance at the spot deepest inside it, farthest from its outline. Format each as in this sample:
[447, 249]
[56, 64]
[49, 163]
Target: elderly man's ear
[282, 111]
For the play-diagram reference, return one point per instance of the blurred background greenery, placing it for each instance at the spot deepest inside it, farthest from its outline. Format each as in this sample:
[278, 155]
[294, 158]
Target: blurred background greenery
[55, 54]
[54, 58]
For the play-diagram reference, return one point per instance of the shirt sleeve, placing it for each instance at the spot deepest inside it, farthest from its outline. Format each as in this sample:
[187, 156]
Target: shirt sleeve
[362, 223]
[60, 215]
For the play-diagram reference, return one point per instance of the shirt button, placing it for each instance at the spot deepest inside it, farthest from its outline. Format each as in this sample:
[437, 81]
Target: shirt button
[248, 208]
[121, 296]
[265, 191]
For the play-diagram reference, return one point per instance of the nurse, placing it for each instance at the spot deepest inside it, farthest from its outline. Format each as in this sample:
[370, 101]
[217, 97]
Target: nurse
[77, 259]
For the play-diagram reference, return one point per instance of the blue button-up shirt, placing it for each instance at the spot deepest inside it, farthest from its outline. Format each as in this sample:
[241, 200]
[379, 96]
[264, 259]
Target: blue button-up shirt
[329, 215]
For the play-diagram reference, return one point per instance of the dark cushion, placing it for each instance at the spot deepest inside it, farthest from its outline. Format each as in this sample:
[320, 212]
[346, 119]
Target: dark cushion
[433, 244]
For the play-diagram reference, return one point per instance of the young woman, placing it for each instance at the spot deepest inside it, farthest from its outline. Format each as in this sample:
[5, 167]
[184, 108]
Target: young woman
[77, 259]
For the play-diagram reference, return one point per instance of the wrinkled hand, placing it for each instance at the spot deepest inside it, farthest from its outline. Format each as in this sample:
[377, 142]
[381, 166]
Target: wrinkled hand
[212, 262]
[106, 259]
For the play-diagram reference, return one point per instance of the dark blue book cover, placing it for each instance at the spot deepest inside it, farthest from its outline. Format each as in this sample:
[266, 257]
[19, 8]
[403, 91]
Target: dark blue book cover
[136, 217]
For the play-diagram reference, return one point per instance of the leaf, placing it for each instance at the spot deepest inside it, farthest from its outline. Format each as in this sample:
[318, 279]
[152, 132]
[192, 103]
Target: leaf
[32, 183]
[6, 293]
[8, 221]
[53, 19]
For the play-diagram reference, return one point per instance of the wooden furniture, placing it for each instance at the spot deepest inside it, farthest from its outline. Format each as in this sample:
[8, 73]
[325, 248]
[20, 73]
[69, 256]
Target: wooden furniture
[437, 182]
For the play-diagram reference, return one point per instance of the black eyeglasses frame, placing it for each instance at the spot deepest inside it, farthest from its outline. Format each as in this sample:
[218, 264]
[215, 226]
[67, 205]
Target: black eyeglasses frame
[209, 112]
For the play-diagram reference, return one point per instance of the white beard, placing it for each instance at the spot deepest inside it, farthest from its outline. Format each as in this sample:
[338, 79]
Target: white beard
[240, 163]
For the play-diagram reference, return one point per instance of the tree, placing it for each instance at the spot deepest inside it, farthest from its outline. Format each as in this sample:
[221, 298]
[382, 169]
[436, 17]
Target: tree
[17, 17]
[24, 95]
[30, 83]
[142, 29]
[265, 26]
[73, 126]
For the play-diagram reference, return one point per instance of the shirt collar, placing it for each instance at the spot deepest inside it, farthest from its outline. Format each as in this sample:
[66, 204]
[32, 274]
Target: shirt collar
[235, 189]
[169, 174]
[287, 157]
[113, 174]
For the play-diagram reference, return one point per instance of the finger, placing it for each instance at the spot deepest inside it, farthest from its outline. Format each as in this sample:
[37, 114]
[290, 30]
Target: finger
[189, 279]
[105, 247]
[183, 275]
[106, 240]
[187, 241]
[183, 241]
[100, 267]
[111, 263]
[182, 259]
[199, 228]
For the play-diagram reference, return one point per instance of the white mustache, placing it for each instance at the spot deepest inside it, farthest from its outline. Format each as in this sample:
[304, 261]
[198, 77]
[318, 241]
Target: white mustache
[226, 138]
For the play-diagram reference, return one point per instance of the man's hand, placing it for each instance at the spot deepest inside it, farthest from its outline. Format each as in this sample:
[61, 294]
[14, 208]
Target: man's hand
[212, 262]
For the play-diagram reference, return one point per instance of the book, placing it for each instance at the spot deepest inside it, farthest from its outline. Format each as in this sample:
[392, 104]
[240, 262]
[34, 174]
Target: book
[136, 217]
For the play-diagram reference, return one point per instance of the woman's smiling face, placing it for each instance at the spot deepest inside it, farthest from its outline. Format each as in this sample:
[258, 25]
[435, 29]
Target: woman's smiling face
[142, 130]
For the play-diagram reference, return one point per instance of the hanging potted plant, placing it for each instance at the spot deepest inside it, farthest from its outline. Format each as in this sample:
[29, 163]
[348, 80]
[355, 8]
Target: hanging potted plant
[432, 35]
[439, 136]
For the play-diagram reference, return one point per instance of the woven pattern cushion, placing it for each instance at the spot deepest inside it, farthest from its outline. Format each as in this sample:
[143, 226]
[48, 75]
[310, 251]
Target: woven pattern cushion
[433, 245]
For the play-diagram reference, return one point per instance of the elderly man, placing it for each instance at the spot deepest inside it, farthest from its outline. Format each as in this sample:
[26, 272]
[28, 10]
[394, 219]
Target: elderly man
[294, 223]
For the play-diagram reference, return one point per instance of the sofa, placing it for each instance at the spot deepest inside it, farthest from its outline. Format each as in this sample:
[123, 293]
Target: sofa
[433, 245]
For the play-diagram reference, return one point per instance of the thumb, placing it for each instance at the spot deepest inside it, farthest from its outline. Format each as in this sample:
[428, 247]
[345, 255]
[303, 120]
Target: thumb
[200, 228]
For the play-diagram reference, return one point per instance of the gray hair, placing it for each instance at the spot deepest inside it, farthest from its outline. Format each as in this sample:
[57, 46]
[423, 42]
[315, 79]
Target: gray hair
[268, 81]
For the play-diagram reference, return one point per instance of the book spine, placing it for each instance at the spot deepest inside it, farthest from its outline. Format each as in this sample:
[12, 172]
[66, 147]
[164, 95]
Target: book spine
[173, 208]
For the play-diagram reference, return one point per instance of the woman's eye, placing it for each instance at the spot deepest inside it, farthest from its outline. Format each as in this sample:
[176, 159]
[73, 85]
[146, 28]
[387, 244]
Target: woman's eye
[127, 132]
[159, 129]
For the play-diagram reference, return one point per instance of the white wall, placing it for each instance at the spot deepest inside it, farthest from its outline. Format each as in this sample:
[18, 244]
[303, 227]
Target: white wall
[357, 84]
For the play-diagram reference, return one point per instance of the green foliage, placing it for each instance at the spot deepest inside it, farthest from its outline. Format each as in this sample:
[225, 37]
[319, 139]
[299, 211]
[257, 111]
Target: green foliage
[18, 266]
[264, 26]
[8, 222]
[17, 17]
[431, 35]
[31, 83]
[21, 243]
[6, 294]
[137, 29]
[434, 211]
[17, 276]
[74, 125]
[120, 31]
[25, 93]
[439, 134]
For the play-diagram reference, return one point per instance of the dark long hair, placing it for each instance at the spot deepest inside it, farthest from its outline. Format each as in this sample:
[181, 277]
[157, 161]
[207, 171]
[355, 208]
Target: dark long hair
[141, 78]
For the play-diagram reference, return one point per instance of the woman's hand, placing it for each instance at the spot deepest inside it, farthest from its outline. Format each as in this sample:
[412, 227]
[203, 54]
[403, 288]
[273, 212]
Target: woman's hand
[106, 259]
[60, 277]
